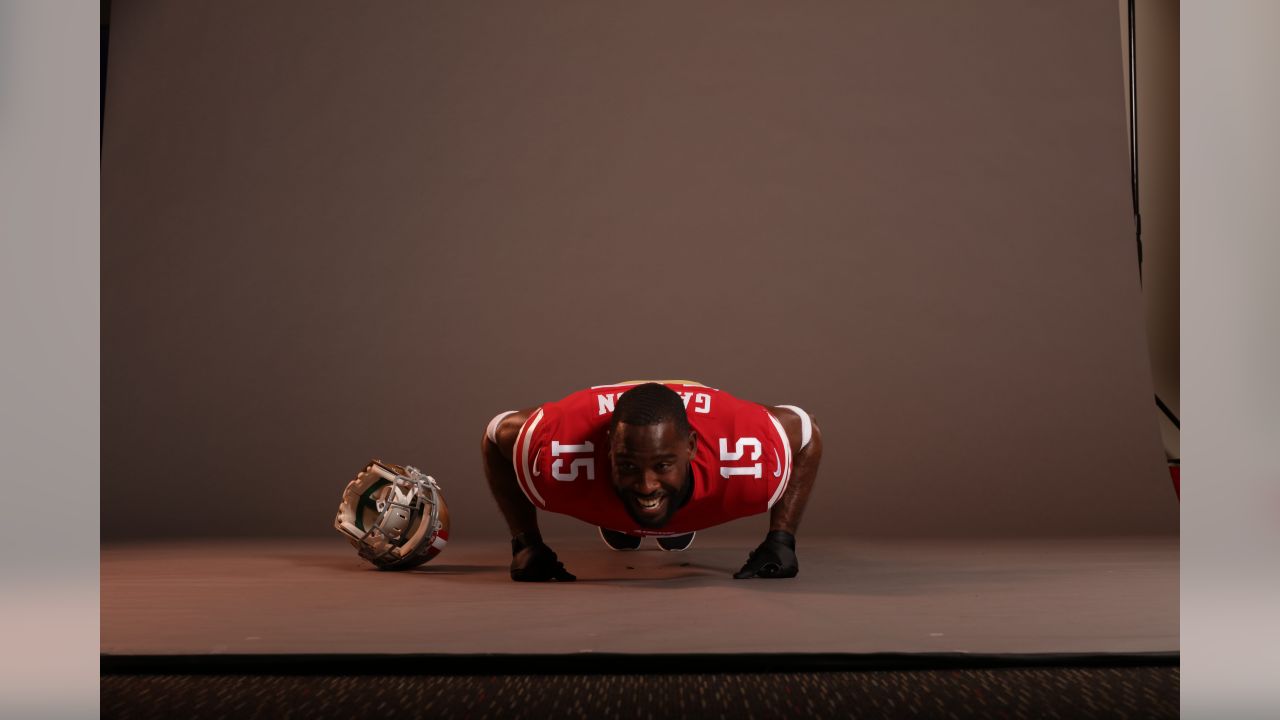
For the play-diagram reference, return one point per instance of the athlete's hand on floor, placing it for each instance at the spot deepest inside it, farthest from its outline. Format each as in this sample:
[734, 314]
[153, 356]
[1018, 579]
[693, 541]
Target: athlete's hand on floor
[773, 558]
[533, 561]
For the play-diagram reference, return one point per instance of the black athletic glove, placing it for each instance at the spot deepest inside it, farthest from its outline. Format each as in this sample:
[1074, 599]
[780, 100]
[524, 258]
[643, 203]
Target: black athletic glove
[773, 558]
[533, 561]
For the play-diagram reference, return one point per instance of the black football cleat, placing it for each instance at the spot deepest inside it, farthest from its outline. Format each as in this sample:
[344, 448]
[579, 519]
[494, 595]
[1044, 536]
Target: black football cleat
[676, 543]
[619, 540]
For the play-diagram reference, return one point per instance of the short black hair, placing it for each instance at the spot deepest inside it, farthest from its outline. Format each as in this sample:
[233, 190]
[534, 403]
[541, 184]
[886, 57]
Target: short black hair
[650, 404]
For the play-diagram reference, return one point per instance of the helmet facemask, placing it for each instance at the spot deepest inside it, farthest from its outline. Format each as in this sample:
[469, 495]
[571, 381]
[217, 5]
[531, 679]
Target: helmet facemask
[394, 516]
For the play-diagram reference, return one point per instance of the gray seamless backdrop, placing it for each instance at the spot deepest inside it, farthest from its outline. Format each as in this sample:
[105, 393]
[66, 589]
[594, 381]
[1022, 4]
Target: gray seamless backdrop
[333, 231]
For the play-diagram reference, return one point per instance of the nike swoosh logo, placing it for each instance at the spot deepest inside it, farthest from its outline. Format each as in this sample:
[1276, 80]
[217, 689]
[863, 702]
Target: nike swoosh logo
[776, 459]
[535, 462]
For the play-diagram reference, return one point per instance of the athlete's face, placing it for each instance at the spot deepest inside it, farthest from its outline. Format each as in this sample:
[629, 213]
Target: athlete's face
[650, 469]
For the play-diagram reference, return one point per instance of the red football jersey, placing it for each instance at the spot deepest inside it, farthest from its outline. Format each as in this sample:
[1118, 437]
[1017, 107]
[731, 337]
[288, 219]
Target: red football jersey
[740, 466]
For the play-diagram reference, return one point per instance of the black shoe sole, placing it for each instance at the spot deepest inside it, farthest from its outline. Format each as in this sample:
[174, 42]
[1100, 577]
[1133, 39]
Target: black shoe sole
[677, 549]
[623, 548]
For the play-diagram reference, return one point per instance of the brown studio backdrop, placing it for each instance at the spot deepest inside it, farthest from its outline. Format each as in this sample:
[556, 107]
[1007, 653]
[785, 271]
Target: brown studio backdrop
[334, 231]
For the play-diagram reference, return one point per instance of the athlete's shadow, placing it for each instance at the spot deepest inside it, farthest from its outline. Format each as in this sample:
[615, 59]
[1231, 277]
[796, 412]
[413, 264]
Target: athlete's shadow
[684, 574]
[434, 569]
[823, 572]
[343, 563]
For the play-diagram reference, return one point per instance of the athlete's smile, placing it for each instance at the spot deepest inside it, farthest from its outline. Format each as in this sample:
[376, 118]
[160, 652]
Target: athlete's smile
[653, 505]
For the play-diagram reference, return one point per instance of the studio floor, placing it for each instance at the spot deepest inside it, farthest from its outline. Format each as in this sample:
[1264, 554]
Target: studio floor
[1096, 595]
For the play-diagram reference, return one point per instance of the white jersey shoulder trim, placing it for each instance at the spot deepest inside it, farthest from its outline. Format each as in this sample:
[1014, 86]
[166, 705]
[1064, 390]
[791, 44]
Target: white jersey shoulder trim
[806, 425]
[492, 430]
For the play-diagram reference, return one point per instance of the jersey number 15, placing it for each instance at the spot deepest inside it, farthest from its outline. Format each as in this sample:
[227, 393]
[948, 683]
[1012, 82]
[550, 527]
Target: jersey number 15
[577, 464]
[727, 455]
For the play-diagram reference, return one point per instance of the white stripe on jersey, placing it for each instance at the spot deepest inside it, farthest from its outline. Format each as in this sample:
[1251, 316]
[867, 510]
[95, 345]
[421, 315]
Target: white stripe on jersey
[786, 473]
[523, 440]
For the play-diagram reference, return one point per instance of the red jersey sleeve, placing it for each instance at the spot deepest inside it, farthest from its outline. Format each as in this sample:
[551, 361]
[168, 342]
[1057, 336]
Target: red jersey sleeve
[743, 462]
[562, 461]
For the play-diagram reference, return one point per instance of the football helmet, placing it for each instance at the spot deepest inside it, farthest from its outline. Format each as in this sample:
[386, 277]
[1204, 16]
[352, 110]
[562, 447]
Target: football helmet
[394, 516]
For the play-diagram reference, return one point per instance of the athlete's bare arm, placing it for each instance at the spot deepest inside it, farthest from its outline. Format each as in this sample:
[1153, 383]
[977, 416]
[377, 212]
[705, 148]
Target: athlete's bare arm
[531, 559]
[520, 514]
[786, 513]
[776, 556]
